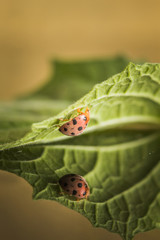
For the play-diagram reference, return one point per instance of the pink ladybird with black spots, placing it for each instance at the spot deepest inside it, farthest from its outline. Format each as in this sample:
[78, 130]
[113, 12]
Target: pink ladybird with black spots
[76, 125]
[74, 185]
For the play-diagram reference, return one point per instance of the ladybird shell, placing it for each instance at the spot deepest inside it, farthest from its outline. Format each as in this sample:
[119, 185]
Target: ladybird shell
[74, 185]
[74, 127]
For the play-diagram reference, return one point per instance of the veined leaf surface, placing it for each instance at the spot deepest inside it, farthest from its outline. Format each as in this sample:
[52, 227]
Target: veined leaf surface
[118, 154]
[123, 177]
[132, 96]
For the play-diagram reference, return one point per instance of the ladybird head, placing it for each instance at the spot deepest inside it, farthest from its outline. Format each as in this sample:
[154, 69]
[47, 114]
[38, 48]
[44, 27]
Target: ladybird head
[87, 114]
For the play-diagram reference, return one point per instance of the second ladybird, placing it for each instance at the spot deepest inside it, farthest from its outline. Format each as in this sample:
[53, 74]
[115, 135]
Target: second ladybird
[74, 185]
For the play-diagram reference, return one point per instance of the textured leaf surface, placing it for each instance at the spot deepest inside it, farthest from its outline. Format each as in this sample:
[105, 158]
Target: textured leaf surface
[119, 153]
[123, 177]
[69, 81]
[132, 96]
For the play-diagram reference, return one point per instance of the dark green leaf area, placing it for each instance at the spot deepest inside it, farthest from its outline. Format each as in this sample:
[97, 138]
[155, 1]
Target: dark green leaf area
[16, 117]
[71, 80]
[108, 137]
[124, 179]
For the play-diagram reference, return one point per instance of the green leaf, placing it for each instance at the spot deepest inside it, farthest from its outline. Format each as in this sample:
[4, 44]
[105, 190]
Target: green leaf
[118, 154]
[75, 78]
[71, 80]
[130, 97]
[17, 117]
[123, 177]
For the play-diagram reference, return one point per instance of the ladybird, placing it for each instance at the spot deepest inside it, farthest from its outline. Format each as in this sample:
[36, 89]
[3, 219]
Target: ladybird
[74, 185]
[76, 125]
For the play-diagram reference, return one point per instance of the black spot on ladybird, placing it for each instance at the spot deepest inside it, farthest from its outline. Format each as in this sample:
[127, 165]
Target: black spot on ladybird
[79, 185]
[74, 192]
[67, 123]
[80, 179]
[65, 184]
[85, 185]
[72, 133]
[74, 121]
[65, 129]
[80, 128]
[84, 193]
[72, 179]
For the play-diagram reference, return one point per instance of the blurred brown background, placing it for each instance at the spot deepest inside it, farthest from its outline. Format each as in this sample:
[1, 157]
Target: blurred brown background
[32, 33]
